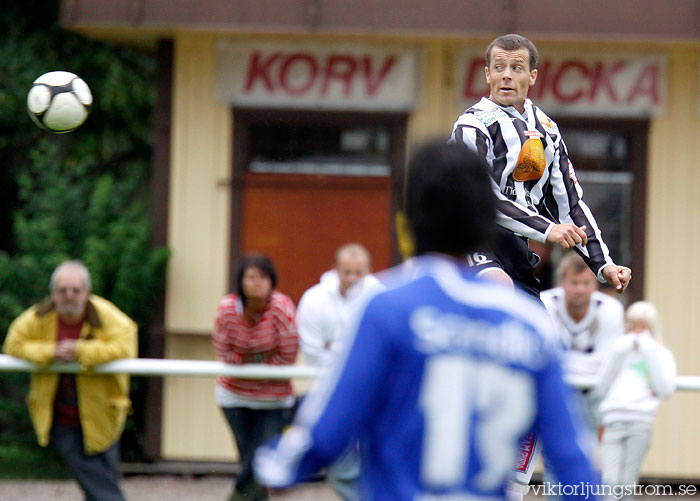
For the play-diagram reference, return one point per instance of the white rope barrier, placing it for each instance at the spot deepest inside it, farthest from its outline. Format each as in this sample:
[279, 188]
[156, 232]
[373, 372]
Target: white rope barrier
[168, 367]
[206, 368]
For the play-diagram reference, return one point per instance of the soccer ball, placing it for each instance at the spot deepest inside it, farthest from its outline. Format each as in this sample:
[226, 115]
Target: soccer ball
[59, 101]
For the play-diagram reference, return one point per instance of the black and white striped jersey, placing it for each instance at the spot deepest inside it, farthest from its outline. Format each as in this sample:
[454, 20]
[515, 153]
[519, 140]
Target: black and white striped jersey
[497, 134]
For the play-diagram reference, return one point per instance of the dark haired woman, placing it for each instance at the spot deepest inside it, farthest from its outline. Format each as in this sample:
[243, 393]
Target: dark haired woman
[255, 325]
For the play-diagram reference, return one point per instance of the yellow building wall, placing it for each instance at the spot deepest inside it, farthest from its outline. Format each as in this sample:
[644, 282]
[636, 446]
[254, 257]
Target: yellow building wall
[435, 113]
[198, 236]
[193, 427]
[672, 272]
[199, 224]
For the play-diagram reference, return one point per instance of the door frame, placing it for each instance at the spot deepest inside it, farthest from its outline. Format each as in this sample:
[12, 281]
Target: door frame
[244, 118]
[638, 133]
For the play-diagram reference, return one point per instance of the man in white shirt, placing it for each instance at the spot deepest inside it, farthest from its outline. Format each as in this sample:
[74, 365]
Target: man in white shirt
[325, 309]
[323, 316]
[587, 321]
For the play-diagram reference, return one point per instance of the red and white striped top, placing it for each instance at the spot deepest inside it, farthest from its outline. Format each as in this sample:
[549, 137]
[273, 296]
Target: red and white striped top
[273, 339]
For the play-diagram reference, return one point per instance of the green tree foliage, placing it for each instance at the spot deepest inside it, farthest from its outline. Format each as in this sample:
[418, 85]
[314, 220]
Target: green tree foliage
[79, 195]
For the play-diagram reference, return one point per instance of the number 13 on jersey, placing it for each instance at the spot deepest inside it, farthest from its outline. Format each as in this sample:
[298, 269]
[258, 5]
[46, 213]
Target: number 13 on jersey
[480, 402]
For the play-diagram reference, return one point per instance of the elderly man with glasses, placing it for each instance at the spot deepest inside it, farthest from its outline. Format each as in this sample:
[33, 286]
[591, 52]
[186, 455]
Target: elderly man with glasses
[82, 415]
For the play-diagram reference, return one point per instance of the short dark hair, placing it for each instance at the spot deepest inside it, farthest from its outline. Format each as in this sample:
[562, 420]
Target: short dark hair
[255, 260]
[449, 199]
[513, 41]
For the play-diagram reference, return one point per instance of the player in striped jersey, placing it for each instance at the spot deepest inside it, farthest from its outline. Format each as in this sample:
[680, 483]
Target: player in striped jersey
[443, 373]
[538, 194]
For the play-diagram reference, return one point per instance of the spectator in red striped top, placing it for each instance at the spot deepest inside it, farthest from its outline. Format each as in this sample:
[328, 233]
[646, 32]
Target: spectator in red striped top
[254, 325]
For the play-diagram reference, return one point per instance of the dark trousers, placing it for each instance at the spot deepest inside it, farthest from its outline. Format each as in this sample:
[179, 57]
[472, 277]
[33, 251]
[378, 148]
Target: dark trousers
[98, 474]
[251, 428]
[517, 260]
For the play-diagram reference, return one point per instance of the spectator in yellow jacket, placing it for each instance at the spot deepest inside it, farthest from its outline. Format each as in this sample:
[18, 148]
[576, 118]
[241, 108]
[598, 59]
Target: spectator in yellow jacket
[83, 415]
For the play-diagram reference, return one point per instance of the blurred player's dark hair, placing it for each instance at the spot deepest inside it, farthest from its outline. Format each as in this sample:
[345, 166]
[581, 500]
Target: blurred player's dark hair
[449, 200]
[255, 260]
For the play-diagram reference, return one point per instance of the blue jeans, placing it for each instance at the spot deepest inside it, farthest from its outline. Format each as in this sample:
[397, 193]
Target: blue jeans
[251, 428]
[344, 475]
[97, 474]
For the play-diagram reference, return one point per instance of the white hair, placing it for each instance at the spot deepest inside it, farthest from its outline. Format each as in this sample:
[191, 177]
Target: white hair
[646, 312]
[71, 264]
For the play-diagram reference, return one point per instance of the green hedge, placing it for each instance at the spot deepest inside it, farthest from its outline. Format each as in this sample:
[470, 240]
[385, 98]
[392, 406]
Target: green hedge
[81, 195]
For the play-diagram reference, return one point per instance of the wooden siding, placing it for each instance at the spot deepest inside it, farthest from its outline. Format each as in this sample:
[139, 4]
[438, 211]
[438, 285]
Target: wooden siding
[198, 232]
[199, 222]
[672, 271]
[135, 21]
[193, 426]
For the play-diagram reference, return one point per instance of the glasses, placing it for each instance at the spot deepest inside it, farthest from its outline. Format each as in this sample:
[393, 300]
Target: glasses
[65, 290]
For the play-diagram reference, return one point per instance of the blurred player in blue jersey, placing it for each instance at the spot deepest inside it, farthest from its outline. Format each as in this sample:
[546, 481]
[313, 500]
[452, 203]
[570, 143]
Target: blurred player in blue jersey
[444, 374]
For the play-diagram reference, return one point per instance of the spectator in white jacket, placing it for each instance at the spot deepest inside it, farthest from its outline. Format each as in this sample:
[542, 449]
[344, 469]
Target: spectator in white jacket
[326, 308]
[323, 316]
[638, 374]
[587, 322]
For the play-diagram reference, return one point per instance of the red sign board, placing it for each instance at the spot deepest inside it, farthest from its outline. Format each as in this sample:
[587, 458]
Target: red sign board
[357, 77]
[622, 85]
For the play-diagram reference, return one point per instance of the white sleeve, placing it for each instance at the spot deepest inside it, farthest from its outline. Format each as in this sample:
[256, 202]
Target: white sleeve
[311, 332]
[613, 364]
[611, 326]
[661, 364]
[560, 338]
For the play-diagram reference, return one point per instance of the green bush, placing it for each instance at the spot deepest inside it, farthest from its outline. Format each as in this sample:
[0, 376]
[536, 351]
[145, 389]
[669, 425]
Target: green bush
[30, 461]
[82, 195]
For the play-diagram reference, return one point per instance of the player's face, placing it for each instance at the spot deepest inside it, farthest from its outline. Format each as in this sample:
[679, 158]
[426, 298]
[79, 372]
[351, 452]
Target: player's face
[578, 287]
[509, 76]
[256, 285]
[70, 294]
[351, 268]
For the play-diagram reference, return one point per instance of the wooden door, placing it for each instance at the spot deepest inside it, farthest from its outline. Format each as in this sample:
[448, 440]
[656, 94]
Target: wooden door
[306, 182]
[300, 221]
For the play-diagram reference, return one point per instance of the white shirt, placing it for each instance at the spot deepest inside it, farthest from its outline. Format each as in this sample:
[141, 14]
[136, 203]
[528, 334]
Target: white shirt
[588, 342]
[635, 378]
[324, 315]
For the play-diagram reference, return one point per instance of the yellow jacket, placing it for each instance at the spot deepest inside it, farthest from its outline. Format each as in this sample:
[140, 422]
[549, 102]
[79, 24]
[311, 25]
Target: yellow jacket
[103, 400]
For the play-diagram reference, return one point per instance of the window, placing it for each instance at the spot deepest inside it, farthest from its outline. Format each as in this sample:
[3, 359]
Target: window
[335, 150]
[610, 161]
[602, 167]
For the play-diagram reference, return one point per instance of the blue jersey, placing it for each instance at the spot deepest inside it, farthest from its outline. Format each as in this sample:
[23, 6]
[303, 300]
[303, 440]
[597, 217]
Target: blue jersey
[444, 376]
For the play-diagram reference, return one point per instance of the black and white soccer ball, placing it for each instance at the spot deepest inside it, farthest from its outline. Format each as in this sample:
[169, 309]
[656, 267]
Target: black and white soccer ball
[59, 101]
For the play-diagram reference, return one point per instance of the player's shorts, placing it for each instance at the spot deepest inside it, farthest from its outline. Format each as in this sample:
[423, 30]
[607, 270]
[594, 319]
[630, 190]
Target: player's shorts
[511, 254]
